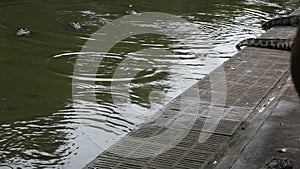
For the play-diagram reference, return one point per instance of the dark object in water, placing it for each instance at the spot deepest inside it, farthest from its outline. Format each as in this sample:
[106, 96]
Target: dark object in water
[278, 163]
[295, 62]
[282, 44]
[293, 20]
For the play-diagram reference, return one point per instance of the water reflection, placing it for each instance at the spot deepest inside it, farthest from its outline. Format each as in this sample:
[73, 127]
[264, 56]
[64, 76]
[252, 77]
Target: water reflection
[38, 124]
[38, 142]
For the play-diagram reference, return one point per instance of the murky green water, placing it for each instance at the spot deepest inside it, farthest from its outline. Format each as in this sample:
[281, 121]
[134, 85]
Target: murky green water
[39, 125]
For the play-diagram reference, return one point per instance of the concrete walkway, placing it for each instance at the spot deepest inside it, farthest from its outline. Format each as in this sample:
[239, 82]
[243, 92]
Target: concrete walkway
[280, 130]
[239, 133]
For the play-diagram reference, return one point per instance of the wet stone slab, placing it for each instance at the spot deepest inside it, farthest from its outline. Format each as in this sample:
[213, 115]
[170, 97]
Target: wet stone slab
[281, 130]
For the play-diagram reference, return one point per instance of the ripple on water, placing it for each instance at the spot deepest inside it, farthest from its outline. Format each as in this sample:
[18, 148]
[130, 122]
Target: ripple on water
[53, 141]
[111, 119]
[42, 142]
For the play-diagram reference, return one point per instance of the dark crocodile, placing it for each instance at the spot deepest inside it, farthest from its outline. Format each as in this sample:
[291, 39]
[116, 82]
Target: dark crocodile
[282, 44]
[293, 20]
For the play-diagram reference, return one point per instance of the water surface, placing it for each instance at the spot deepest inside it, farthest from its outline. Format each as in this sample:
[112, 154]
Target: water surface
[39, 127]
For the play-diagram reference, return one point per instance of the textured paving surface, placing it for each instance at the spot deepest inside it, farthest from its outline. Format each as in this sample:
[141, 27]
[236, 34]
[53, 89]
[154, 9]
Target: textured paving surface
[171, 140]
[281, 130]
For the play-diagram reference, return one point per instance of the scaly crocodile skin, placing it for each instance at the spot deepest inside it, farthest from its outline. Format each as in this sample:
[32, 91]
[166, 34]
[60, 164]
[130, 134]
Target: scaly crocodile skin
[282, 44]
[293, 20]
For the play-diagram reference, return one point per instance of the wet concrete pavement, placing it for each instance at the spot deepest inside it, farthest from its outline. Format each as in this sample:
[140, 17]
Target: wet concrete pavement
[280, 130]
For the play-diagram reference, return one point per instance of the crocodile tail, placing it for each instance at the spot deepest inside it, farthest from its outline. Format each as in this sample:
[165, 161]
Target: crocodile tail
[267, 25]
[245, 42]
[238, 47]
[282, 44]
[276, 22]
[293, 20]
